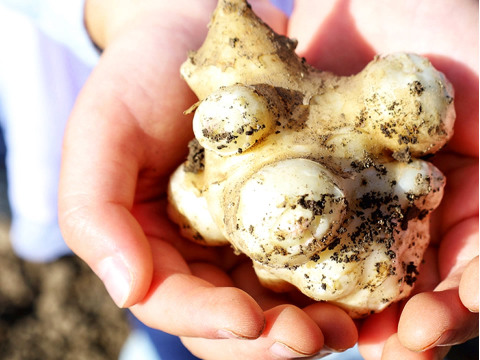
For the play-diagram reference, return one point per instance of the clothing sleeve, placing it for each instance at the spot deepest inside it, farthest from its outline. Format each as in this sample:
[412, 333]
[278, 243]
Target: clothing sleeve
[61, 20]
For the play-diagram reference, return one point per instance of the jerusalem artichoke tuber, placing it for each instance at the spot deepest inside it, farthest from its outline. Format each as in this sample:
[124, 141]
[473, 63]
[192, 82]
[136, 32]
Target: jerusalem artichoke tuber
[316, 177]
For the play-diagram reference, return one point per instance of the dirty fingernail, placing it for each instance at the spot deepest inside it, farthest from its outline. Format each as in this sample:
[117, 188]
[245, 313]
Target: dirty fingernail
[116, 277]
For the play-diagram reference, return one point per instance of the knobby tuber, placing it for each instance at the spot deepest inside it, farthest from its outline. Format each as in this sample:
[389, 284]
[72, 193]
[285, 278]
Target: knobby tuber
[317, 178]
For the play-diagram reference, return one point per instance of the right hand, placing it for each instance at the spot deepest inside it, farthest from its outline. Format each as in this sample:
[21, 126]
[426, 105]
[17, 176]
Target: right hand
[342, 36]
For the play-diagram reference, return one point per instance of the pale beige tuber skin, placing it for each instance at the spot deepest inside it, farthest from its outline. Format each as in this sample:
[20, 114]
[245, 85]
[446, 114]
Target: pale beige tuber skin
[317, 178]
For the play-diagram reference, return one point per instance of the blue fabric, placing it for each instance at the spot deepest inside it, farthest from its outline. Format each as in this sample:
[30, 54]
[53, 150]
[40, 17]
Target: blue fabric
[285, 5]
[138, 346]
[168, 347]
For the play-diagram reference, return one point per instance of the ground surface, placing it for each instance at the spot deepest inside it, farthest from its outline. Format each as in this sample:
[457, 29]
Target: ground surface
[55, 311]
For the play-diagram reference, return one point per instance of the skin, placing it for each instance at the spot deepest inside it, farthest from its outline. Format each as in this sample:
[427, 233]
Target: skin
[127, 133]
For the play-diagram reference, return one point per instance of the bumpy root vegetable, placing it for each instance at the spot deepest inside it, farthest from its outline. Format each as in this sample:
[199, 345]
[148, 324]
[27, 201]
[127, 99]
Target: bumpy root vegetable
[316, 177]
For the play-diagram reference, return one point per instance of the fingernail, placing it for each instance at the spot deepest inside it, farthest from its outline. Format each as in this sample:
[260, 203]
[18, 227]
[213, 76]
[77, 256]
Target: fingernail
[321, 354]
[228, 334]
[116, 277]
[283, 351]
[445, 339]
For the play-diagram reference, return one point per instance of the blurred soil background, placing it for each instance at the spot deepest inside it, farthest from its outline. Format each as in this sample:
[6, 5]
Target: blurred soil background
[53, 311]
[61, 310]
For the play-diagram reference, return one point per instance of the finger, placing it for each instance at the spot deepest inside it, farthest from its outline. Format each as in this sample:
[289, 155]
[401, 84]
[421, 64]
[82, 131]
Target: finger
[152, 217]
[111, 136]
[339, 330]
[468, 290]
[375, 331]
[394, 350]
[323, 42]
[454, 167]
[448, 161]
[107, 236]
[289, 333]
[465, 83]
[211, 274]
[245, 278]
[293, 331]
[458, 247]
[456, 250]
[185, 305]
[436, 318]
[96, 193]
[460, 200]
[342, 28]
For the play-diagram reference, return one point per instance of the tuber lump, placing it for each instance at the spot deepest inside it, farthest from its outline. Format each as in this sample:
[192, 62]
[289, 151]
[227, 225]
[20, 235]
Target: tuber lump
[318, 178]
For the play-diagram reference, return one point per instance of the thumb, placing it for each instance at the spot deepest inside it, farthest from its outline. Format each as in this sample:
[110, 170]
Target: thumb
[120, 120]
[95, 196]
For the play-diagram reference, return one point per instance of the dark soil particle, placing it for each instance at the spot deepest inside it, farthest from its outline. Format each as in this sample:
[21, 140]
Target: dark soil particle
[416, 88]
[333, 244]
[375, 199]
[196, 157]
[403, 155]
[216, 137]
[315, 257]
[411, 273]
[391, 254]
[411, 213]
[233, 41]
[316, 207]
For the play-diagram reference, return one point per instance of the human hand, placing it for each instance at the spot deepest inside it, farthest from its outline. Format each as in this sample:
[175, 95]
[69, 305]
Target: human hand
[342, 36]
[125, 136]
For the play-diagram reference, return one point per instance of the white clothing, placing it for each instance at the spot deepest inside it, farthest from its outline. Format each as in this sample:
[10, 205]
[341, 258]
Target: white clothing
[45, 58]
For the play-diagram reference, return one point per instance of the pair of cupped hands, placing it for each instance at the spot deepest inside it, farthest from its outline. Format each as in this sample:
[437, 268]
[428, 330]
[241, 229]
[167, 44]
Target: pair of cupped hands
[127, 133]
